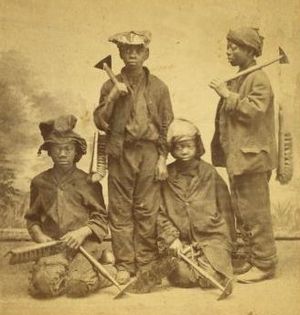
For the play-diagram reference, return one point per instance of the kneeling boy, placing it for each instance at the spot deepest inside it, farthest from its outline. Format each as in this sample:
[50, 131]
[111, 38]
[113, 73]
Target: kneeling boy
[195, 211]
[63, 205]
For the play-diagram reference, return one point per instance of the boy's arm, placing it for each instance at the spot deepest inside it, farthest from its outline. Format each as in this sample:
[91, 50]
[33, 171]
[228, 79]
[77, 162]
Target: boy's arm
[32, 216]
[255, 103]
[167, 116]
[108, 95]
[98, 218]
[97, 223]
[166, 231]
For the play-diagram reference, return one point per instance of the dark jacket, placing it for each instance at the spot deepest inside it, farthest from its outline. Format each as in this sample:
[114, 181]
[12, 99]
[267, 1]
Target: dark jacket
[195, 203]
[66, 205]
[158, 104]
[244, 139]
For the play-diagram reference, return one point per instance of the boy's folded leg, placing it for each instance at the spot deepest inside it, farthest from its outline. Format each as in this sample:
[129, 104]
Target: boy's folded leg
[48, 276]
[183, 276]
[83, 278]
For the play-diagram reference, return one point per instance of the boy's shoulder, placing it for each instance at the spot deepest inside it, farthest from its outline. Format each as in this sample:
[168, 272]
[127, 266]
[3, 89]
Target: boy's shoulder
[156, 80]
[153, 79]
[259, 77]
[203, 167]
[45, 176]
[41, 177]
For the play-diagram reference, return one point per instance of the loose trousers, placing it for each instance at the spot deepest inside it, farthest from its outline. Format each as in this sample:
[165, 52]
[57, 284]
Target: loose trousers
[134, 199]
[251, 202]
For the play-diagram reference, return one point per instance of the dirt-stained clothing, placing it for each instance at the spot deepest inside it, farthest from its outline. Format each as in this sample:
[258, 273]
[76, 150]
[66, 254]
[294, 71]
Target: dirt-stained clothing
[244, 143]
[60, 204]
[195, 203]
[136, 129]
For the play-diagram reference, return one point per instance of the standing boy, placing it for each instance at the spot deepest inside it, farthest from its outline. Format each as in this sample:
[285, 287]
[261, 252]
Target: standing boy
[64, 206]
[244, 143]
[136, 122]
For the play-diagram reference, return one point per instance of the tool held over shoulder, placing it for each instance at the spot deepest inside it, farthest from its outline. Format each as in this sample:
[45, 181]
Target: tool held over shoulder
[282, 58]
[98, 164]
[106, 64]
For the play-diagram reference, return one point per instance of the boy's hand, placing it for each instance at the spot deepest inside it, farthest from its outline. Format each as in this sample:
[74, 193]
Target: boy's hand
[176, 247]
[220, 87]
[74, 239]
[43, 238]
[38, 236]
[161, 172]
[117, 91]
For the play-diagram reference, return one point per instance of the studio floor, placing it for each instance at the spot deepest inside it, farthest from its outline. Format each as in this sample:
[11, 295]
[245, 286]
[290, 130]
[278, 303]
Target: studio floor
[277, 296]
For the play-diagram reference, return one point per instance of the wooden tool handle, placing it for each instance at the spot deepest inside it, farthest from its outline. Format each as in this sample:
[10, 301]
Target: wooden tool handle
[101, 269]
[253, 68]
[110, 74]
[202, 272]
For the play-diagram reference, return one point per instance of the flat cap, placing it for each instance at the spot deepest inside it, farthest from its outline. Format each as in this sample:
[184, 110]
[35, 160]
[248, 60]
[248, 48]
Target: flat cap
[131, 38]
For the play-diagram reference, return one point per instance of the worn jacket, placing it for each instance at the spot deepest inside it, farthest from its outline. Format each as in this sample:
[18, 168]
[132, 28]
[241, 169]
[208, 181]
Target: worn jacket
[158, 104]
[195, 203]
[244, 139]
[60, 206]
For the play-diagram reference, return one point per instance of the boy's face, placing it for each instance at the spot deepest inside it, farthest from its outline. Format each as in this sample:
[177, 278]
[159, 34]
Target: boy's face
[238, 55]
[134, 55]
[184, 150]
[63, 155]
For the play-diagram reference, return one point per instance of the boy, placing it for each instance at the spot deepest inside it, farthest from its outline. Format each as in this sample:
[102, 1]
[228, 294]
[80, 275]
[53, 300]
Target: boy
[244, 143]
[64, 206]
[136, 122]
[195, 208]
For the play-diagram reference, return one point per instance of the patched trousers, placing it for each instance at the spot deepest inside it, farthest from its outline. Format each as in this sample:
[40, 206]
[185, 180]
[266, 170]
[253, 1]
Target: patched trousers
[134, 199]
[68, 273]
[251, 201]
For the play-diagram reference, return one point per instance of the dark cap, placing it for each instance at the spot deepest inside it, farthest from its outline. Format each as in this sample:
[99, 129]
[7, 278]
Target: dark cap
[59, 131]
[247, 36]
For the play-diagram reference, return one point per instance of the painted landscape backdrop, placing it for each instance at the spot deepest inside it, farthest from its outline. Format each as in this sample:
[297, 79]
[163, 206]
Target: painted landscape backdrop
[47, 53]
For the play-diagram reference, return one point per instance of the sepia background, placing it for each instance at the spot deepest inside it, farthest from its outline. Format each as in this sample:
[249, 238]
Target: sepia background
[48, 50]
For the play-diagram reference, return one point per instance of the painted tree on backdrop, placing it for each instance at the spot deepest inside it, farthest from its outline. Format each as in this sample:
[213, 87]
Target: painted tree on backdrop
[22, 103]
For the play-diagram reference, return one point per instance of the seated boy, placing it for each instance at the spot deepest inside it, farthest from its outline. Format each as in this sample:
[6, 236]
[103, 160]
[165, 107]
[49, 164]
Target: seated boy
[195, 211]
[65, 206]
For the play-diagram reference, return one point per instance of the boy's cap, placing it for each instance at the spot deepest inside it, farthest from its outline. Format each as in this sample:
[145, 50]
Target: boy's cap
[181, 130]
[60, 130]
[131, 38]
[247, 36]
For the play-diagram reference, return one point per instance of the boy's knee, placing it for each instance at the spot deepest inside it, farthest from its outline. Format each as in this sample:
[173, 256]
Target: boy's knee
[80, 283]
[48, 277]
[183, 276]
[77, 288]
